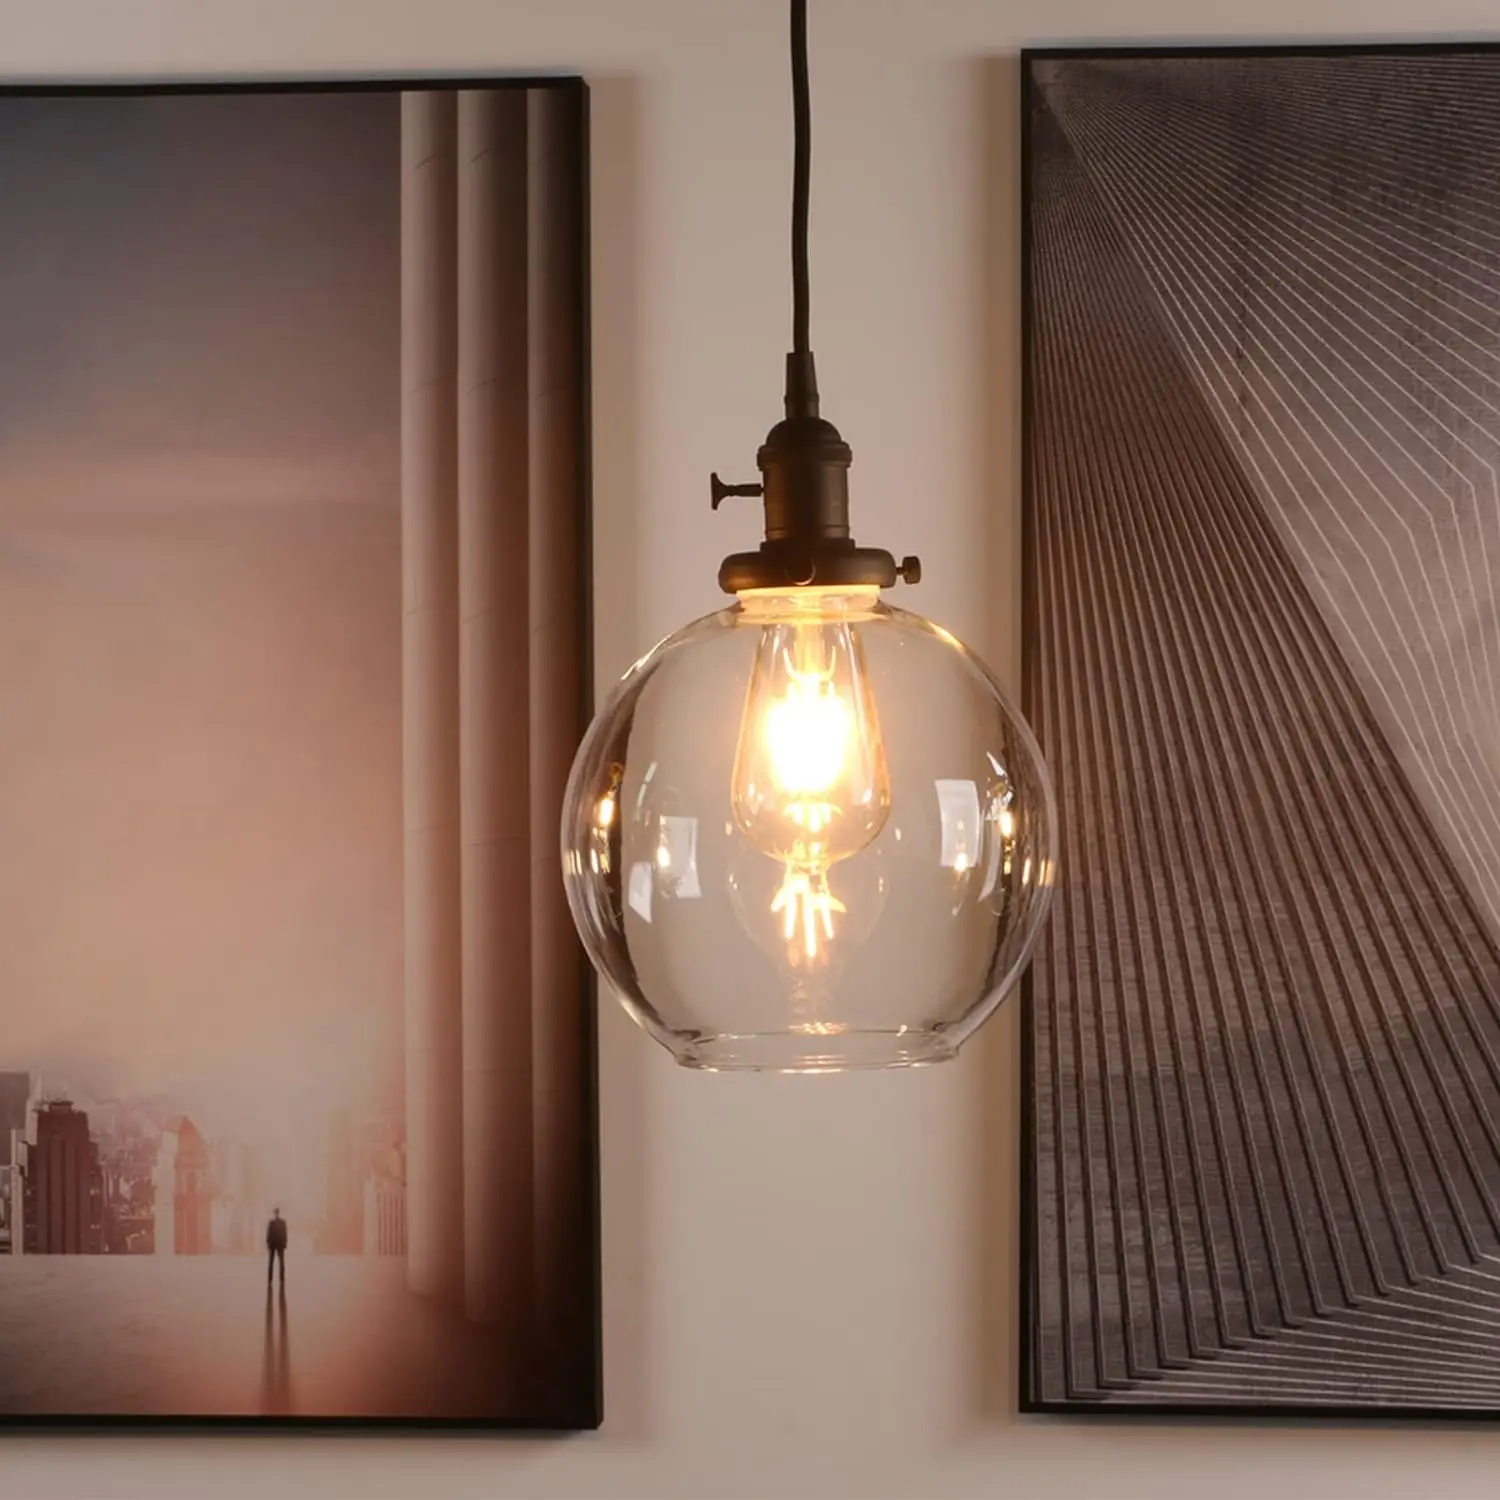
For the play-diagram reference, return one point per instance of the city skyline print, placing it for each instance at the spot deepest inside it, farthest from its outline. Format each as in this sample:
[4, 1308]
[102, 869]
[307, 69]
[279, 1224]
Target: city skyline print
[297, 1102]
[1262, 655]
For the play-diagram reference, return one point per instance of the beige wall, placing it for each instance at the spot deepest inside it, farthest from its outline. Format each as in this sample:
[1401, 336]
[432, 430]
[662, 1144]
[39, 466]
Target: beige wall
[808, 1283]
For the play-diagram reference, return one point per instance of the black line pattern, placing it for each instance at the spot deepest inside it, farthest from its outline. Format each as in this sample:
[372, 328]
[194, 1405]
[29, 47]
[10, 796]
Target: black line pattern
[1263, 529]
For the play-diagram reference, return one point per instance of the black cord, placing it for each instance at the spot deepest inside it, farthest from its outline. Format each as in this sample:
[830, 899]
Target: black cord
[801, 174]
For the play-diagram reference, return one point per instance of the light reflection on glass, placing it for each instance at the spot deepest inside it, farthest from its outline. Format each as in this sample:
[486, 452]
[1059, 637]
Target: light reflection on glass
[958, 812]
[677, 857]
[639, 890]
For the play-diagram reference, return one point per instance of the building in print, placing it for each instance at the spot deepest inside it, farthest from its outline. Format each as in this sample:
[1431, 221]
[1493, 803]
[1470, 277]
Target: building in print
[62, 1196]
[385, 1216]
[239, 1197]
[343, 1229]
[184, 1193]
[12, 1199]
[15, 1100]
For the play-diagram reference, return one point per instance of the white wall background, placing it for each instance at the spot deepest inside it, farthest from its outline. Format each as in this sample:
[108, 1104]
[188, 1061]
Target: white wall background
[809, 1284]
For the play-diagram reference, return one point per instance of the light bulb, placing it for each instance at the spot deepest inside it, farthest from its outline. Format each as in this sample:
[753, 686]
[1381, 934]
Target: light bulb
[810, 783]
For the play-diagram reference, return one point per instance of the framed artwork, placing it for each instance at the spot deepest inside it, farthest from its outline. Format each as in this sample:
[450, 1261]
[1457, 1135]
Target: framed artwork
[1262, 539]
[297, 1098]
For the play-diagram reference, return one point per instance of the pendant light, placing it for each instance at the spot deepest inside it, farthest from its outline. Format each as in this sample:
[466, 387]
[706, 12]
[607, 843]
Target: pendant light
[809, 832]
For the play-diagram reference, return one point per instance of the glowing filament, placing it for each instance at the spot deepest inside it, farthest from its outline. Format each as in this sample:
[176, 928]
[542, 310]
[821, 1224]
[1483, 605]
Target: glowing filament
[806, 907]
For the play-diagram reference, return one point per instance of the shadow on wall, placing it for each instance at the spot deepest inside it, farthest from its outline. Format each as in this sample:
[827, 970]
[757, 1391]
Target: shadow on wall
[616, 191]
[995, 1083]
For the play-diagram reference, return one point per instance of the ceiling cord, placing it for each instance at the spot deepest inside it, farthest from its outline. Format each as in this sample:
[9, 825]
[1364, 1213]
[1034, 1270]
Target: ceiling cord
[801, 174]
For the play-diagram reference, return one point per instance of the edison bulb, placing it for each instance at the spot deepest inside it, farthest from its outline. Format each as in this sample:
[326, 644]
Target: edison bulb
[810, 783]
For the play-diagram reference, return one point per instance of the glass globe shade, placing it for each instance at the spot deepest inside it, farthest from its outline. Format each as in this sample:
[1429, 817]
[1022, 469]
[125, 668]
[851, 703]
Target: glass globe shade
[809, 832]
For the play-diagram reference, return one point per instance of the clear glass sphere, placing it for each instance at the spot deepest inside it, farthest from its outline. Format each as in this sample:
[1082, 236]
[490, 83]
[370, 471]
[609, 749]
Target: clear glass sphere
[809, 832]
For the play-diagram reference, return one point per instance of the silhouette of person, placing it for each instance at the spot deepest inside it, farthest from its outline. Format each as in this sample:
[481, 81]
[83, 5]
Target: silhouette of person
[276, 1246]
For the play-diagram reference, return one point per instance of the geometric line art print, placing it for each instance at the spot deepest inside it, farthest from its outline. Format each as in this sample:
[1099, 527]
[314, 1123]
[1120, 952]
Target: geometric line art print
[1262, 538]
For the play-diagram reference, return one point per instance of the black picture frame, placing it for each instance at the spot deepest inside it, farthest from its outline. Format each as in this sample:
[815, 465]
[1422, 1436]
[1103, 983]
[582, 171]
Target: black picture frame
[564, 1391]
[1127, 1390]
